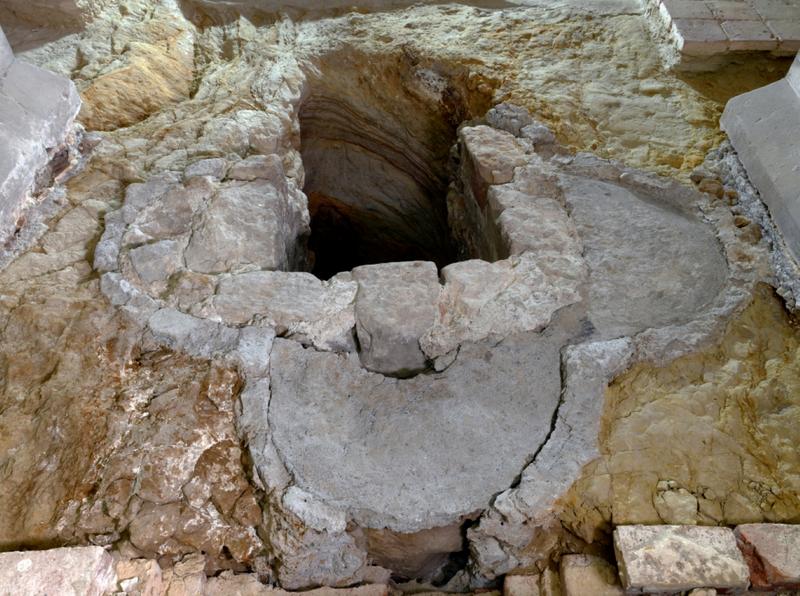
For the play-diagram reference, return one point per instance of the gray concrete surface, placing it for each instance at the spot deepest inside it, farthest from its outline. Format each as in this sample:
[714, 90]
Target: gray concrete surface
[764, 128]
[37, 109]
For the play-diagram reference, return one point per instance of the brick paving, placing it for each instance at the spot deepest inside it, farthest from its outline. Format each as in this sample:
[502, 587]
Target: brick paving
[710, 27]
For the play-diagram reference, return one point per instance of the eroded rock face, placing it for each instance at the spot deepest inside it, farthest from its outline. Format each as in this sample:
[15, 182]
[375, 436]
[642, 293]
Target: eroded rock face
[510, 352]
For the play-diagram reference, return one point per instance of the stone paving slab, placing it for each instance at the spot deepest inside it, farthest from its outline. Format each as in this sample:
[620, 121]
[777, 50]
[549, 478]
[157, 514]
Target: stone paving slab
[701, 28]
[773, 553]
[673, 559]
[763, 126]
[82, 571]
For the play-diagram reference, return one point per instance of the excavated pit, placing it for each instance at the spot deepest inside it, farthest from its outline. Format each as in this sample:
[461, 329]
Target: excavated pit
[376, 153]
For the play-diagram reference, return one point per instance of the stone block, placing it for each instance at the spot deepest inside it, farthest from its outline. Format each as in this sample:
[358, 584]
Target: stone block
[729, 10]
[699, 37]
[494, 153]
[587, 574]
[773, 553]
[775, 9]
[82, 571]
[673, 559]
[37, 109]
[763, 126]
[749, 36]
[395, 305]
[788, 34]
[687, 9]
[140, 577]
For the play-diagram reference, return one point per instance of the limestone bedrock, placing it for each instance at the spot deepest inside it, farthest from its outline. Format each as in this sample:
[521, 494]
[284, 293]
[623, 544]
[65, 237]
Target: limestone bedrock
[220, 130]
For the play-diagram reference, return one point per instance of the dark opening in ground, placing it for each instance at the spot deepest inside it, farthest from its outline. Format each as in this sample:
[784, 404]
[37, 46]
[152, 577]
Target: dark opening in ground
[374, 197]
[375, 148]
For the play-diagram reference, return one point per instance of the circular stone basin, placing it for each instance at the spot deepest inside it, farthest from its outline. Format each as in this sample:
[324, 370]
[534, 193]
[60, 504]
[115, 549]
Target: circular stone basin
[414, 453]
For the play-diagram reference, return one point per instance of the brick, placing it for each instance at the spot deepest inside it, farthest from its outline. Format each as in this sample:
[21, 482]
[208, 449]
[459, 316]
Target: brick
[687, 9]
[726, 10]
[749, 35]
[788, 34]
[777, 9]
[669, 559]
[699, 37]
[772, 552]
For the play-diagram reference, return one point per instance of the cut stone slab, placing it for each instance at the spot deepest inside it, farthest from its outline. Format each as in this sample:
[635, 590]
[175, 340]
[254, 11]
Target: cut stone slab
[587, 574]
[701, 30]
[763, 126]
[773, 553]
[81, 571]
[37, 110]
[395, 305]
[650, 265]
[294, 303]
[340, 428]
[494, 153]
[672, 559]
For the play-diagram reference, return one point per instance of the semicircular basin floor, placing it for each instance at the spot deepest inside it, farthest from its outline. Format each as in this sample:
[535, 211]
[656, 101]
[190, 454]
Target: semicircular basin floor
[413, 453]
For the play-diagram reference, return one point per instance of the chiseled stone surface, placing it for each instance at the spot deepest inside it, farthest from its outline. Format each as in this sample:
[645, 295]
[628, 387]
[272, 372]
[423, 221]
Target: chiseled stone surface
[79, 571]
[588, 574]
[762, 126]
[773, 553]
[672, 559]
